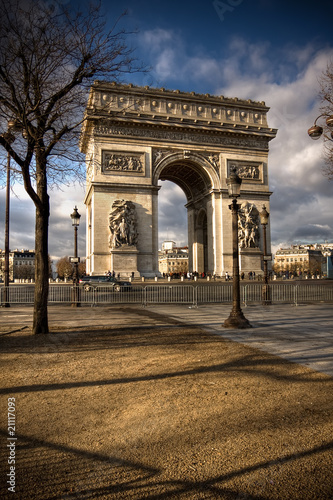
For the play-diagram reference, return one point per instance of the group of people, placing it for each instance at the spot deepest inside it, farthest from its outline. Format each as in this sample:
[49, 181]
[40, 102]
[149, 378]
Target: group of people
[251, 275]
[188, 275]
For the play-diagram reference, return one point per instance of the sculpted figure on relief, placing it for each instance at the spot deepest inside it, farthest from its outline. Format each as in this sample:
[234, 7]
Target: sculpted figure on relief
[248, 226]
[122, 224]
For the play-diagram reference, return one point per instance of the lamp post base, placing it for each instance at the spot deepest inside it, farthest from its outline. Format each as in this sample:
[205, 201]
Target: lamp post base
[266, 295]
[76, 296]
[237, 320]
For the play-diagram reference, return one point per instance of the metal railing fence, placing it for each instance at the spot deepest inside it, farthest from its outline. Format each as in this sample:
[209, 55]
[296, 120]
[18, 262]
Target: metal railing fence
[172, 294]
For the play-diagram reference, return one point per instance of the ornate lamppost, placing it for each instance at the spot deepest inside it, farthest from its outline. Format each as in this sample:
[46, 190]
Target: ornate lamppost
[316, 131]
[75, 216]
[236, 318]
[266, 292]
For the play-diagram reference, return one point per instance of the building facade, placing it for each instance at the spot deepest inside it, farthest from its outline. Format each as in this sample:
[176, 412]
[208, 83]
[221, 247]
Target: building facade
[172, 259]
[302, 259]
[21, 264]
[135, 137]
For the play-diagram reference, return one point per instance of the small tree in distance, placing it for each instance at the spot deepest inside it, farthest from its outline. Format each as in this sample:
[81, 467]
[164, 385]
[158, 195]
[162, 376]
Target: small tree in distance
[49, 56]
[82, 267]
[65, 268]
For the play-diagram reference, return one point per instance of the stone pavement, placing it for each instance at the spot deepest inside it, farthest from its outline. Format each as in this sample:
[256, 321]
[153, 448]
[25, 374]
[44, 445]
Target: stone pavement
[302, 334]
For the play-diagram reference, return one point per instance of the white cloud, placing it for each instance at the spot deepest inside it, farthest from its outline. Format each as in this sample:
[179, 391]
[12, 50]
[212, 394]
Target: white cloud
[154, 39]
[287, 80]
[61, 234]
[172, 216]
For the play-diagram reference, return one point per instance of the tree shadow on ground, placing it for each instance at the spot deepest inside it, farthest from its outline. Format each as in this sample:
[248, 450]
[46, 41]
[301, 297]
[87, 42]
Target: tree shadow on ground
[52, 471]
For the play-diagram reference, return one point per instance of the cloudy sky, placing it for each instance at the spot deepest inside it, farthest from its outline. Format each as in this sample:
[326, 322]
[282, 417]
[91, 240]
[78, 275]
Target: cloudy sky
[266, 50]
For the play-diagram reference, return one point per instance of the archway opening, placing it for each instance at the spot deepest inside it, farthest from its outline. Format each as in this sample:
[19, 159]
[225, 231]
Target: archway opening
[188, 182]
[172, 214]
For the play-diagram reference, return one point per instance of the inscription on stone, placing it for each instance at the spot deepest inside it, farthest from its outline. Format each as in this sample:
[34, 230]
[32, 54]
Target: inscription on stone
[248, 142]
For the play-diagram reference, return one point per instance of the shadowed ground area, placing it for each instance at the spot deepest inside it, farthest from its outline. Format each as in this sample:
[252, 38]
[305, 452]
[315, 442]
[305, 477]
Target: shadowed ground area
[160, 410]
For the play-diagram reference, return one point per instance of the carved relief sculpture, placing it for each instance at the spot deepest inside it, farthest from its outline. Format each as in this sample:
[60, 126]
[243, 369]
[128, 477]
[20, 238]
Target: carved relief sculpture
[214, 160]
[251, 172]
[122, 224]
[121, 162]
[248, 226]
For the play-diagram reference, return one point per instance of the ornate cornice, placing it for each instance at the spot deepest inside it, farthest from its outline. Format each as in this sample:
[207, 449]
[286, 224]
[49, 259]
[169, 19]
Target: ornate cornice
[130, 106]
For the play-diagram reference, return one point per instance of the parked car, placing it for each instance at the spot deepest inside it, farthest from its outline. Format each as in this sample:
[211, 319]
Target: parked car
[91, 282]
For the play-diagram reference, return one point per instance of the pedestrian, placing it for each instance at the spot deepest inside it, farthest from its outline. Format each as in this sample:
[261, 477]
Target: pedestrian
[227, 276]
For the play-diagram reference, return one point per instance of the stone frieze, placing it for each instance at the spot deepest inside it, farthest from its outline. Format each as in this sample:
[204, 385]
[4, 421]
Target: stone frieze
[116, 162]
[247, 170]
[185, 136]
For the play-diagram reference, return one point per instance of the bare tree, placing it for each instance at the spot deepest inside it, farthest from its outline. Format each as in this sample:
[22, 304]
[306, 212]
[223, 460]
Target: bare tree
[64, 268]
[49, 57]
[82, 267]
[24, 271]
[326, 97]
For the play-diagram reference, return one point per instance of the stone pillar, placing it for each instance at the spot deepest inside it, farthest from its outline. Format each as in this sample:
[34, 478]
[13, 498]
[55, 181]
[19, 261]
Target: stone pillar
[124, 260]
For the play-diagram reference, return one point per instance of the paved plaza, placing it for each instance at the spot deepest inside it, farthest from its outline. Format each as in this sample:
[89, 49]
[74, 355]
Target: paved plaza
[302, 334]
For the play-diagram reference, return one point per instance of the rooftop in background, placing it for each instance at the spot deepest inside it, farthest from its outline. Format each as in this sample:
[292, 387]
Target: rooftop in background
[23, 250]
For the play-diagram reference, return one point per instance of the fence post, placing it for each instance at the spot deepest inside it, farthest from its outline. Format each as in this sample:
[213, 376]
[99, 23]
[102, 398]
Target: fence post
[144, 296]
[296, 295]
[93, 297]
[195, 296]
[245, 295]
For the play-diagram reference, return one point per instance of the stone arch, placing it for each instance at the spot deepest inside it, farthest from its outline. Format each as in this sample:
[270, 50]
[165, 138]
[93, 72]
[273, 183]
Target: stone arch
[190, 171]
[135, 136]
[198, 178]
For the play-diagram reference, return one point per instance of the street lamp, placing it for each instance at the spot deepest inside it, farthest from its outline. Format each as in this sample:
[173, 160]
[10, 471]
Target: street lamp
[75, 216]
[236, 318]
[266, 293]
[316, 131]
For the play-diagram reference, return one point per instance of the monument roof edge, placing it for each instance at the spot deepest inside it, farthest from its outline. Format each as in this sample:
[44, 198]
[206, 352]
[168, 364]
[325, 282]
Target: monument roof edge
[101, 85]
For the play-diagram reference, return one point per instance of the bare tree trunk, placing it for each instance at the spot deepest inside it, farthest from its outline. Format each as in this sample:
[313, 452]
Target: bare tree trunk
[40, 317]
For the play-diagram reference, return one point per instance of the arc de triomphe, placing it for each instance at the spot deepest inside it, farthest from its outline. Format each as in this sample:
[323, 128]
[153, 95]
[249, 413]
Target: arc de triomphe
[135, 136]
